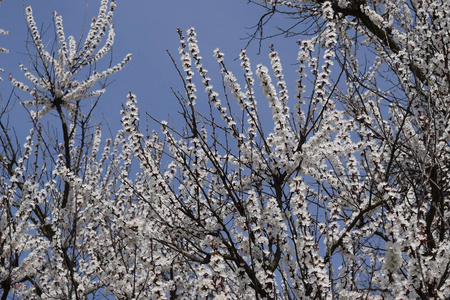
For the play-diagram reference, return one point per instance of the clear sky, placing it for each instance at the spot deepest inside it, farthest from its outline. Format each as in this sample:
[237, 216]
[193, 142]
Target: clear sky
[146, 28]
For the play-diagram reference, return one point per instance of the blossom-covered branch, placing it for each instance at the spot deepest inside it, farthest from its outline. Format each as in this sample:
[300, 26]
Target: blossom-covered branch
[55, 83]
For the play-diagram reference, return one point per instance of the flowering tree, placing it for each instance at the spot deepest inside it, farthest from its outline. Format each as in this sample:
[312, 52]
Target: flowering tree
[341, 194]
[43, 222]
[408, 74]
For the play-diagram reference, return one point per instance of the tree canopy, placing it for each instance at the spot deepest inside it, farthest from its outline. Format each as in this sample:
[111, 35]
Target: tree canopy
[340, 191]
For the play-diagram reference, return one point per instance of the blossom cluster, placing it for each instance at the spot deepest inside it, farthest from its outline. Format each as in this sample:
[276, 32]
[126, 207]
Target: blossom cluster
[3, 50]
[57, 85]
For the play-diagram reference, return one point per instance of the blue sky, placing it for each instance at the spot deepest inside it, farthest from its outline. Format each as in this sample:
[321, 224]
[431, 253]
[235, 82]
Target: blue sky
[147, 28]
